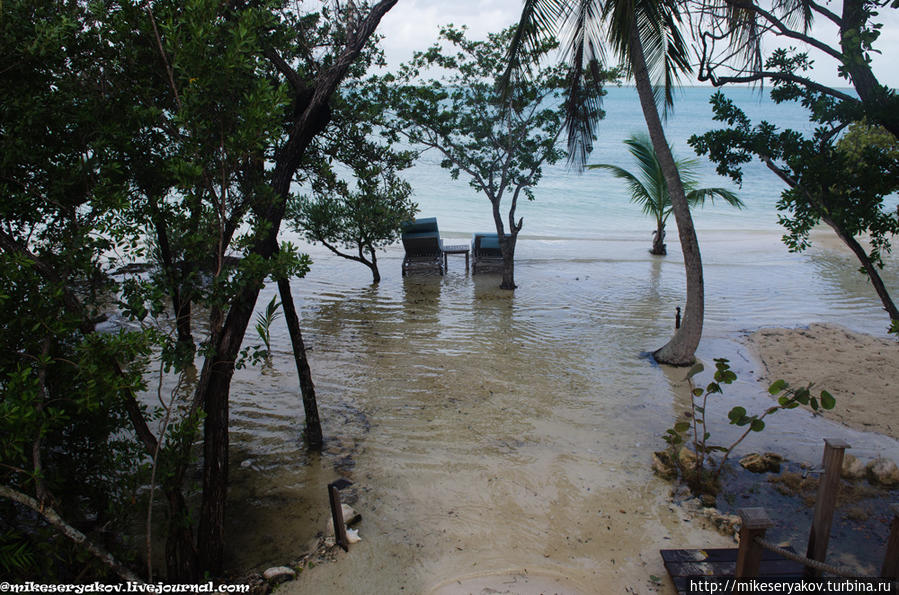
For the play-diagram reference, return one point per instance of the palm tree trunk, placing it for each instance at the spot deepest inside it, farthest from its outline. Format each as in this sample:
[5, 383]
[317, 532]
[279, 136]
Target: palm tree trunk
[680, 350]
[658, 240]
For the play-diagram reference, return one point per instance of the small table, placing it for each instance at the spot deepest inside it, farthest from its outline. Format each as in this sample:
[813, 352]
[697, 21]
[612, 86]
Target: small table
[457, 249]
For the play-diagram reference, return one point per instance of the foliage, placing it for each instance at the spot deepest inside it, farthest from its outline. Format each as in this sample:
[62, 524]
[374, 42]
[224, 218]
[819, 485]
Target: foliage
[264, 321]
[499, 142]
[355, 223]
[839, 180]
[648, 188]
[704, 474]
[135, 130]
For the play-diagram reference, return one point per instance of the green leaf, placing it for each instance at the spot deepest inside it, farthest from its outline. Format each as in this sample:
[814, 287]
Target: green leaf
[777, 386]
[681, 426]
[827, 400]
[736, 414]
[695, 369]
[757, 425]
[697, 392]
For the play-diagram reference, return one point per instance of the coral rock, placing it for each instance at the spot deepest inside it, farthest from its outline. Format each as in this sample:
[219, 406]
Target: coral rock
[852, 468]
[687, 458]
[663, 465]
[762, 463]
[278, 574]
[883, 472]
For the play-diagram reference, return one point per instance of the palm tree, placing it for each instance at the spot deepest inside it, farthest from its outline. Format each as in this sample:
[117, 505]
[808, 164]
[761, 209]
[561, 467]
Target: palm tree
[645, 35]
[648, 187]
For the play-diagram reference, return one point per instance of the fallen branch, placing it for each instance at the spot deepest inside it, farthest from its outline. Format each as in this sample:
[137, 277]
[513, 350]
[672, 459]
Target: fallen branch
[52, 517]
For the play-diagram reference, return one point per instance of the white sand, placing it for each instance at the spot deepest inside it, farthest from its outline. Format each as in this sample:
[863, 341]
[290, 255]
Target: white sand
[860, 371]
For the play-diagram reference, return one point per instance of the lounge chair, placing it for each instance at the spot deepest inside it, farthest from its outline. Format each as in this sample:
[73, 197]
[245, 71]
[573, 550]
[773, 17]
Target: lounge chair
[485, 252]
[421, 240]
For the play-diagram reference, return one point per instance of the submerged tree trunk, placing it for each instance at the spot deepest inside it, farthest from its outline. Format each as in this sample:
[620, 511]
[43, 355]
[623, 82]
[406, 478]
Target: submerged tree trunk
[658, 241]
[373, 265]
[681, 349]
[313, 431]
[218, 369]
[870, 268]
[507, 247]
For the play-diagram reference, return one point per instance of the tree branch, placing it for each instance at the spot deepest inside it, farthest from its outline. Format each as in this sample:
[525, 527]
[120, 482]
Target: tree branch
[52, 517]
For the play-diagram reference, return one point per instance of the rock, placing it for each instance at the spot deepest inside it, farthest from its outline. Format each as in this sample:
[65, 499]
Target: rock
[708, 500]
[350, 517]
[852, 468]
[663, 465]
[686, 458]
[279, 574]
[762, 463]
[883, 471]
[352, 536]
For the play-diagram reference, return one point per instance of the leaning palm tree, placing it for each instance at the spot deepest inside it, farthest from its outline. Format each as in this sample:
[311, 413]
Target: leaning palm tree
[645, 36]
[648, 189]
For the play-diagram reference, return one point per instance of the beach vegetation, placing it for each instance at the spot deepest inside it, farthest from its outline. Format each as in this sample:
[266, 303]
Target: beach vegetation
[648, 188]
[355, 217]
[645, 35]
[745, 43]
[702, 469]
[168, 131]
[839, 175]
[446, 99]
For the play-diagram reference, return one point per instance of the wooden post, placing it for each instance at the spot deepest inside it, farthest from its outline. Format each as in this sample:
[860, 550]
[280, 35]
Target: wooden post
[891, 558]
[337, 513]
[825, 503]
[754, 523]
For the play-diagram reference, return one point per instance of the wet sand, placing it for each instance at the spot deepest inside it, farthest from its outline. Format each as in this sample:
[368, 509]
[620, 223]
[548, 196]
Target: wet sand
[491, 434]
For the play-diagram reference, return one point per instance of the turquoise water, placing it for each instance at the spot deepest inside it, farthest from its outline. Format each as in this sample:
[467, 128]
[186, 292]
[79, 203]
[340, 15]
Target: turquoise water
[596, 205]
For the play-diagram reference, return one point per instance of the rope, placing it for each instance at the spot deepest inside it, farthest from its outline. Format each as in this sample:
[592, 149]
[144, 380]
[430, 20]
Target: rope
[844, 572]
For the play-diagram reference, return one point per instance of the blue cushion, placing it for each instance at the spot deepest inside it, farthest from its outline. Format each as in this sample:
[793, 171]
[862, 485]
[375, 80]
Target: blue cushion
[426, 224]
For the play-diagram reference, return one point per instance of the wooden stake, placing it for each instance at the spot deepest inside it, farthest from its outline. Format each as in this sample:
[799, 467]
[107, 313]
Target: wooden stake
[337, 513]
[891, 558]
[755, 522]
[825, 503]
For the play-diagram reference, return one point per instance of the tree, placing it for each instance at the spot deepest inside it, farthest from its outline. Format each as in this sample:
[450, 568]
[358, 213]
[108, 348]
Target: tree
[648, 187]
[354, 224]
[161, 116]
[499, 142]
[68, 465]
[734, 33]
[645, 35]
[841, 181]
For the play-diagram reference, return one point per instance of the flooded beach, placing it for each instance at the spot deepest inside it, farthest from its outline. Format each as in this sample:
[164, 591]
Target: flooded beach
[492, 432]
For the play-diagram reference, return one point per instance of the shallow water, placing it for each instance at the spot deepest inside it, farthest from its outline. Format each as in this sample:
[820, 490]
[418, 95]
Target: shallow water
[489, 431]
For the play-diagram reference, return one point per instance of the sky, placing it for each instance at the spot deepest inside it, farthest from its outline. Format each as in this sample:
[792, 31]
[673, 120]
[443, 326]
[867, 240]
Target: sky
[414, 25]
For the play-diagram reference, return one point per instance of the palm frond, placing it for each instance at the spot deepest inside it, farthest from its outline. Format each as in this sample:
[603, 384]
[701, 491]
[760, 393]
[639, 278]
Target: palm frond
[539, 20]
[698, 197]
[640, 194]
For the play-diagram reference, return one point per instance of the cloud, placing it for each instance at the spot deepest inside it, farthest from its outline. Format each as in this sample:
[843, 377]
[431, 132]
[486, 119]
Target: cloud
[415, 24]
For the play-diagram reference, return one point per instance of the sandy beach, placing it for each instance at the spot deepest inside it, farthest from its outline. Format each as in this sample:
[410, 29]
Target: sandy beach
[858, 369]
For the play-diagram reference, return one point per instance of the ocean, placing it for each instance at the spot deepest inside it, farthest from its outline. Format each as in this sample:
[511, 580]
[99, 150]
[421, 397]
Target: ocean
[594, 204]
[492, 431]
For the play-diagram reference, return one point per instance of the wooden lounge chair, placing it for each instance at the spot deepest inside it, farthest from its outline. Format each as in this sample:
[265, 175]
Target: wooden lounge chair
[421, 240]
[485, 253]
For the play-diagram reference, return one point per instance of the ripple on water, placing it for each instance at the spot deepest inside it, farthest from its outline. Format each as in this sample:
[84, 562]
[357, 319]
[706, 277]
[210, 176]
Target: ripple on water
[486, 427]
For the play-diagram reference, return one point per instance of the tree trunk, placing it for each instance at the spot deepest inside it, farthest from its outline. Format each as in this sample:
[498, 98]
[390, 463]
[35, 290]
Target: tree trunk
[180, 552]
[658, 241]
[880, 103]
[313, 431]
[218, 369]
[507, 247]
[681, 349]
[373, 265]
[869, 267]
